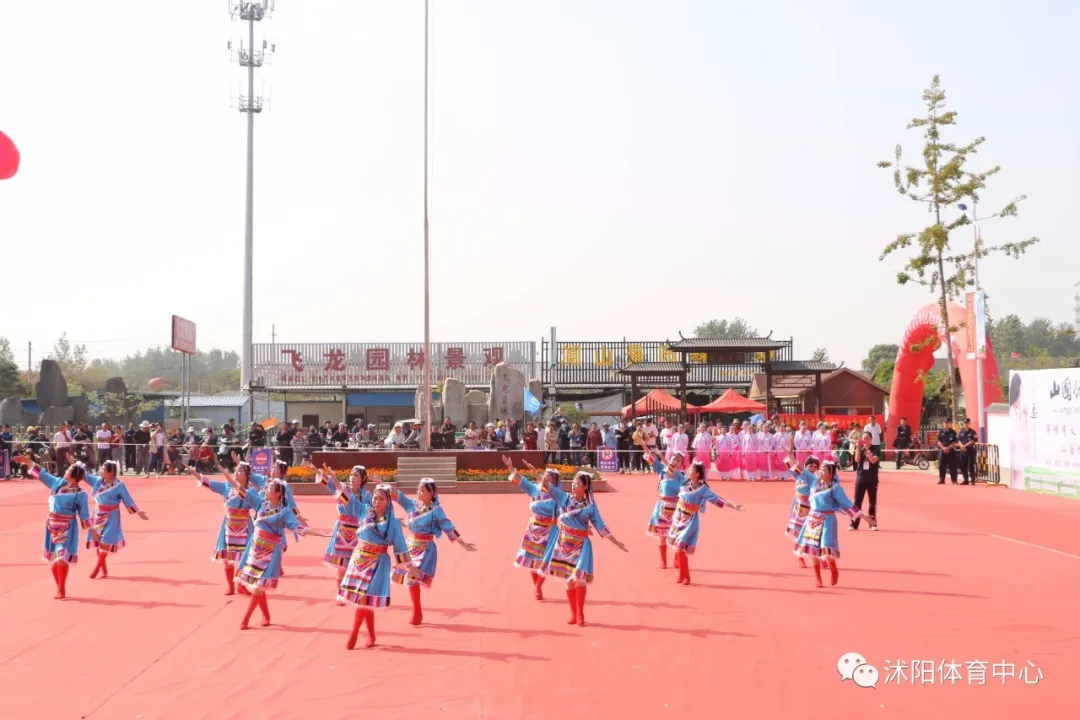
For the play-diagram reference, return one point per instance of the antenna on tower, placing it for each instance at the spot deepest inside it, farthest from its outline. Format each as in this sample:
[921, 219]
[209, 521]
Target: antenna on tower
[251, 57]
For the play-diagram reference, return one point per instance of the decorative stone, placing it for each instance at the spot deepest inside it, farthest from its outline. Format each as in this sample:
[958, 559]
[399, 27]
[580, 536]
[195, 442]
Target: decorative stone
[116, 386]
[453, 400]
[81, 409]
[11, 411]
[507, 397]
[419, 403]
[536, 387]
[476, 397]
[478, 414]
[51, 387]
[53, 416]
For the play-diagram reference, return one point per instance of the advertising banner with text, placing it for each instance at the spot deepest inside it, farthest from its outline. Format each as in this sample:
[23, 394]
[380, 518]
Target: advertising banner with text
[1044, 431]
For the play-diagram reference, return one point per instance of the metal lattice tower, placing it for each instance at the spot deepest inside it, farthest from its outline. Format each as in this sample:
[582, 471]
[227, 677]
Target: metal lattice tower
[251, 58]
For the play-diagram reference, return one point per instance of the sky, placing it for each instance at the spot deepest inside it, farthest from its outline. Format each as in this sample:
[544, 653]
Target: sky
[612, 168]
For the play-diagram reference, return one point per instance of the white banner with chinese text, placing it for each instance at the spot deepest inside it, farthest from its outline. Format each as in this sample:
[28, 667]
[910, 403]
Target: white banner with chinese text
[1044, 431]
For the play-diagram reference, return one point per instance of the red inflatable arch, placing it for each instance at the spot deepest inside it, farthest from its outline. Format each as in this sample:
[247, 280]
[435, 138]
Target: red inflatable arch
[924, 335]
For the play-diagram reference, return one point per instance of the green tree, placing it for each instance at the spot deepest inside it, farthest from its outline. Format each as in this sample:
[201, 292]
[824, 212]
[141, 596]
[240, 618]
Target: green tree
[879, 354]
[1007, 336]
[123, 408]
[883, 373]
[820, 355]
[11, 384]
[5, 350]
[71, 359]
[941, 181]
[737, 328]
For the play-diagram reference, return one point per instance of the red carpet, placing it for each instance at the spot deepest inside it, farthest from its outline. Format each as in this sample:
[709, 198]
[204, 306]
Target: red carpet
[956, 573]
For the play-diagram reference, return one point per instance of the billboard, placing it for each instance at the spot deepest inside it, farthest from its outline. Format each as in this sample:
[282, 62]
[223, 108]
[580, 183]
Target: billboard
[380, 365]
[597, 364]
[1044, 431]
[183, 335]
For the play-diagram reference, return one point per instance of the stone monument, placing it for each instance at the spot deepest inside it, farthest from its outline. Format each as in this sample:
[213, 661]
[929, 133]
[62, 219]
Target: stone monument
[51, 388]
[507, 397]
[454, 402]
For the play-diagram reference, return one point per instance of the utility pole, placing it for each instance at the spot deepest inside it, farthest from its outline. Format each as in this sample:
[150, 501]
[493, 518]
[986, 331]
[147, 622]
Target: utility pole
[980, 405]
[30, 363]
[425, 441]
[248, 101]
[273, 334]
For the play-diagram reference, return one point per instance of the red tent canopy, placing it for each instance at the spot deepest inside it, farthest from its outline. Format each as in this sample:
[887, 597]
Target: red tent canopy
[657, 401]
[732, 402]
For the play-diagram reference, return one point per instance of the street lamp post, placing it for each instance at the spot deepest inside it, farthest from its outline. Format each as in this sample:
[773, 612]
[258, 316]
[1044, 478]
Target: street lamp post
[980, 403]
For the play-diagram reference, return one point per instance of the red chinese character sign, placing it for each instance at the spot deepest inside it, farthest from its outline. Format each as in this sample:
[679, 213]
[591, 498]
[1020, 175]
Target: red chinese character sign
[296, 358]
[335, 361]
[378, 359]
[356, 365]
[455, 358]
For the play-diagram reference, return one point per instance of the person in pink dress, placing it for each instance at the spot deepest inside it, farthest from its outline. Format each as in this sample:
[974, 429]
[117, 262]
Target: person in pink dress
[723, 441]
[781, 450]
[765, 451]
[703, 446]
[677, 442]
[735, 441]
[823, 444]
[804, 444]
[750, 453]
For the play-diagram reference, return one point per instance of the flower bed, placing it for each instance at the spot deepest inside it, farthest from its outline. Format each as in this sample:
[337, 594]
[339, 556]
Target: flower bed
[307, 475]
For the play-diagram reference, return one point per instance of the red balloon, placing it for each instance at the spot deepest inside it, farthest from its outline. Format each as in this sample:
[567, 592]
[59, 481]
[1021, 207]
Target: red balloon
[9, 157]
[156, 383]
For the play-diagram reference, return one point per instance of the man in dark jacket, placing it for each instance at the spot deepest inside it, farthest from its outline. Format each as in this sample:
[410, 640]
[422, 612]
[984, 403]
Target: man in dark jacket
[513, 435]
[968, 438]
[903, 441]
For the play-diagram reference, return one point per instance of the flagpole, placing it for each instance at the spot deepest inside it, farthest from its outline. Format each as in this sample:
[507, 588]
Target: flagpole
[426, 440]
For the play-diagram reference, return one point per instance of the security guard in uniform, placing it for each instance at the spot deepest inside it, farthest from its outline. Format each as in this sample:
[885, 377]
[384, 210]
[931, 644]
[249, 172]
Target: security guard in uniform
[968, 438]
[948, 449]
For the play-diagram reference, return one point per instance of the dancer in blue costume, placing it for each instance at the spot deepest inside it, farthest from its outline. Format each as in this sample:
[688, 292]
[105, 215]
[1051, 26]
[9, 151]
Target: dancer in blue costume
[278, 471]
[351, 497]
[260, 568]
[108, 492]
[806, 480]
[426, 520]
[686, 524]
[540, 532]
[819, 539]
[236, 526]
[572, 556]
[672, 478]
[68, 509]
[367, 581]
